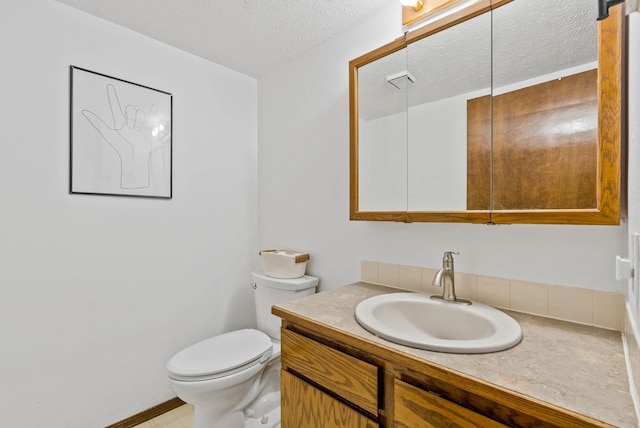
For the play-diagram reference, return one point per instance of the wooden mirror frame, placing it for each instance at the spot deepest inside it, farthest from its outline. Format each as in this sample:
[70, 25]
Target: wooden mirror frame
[609, 174]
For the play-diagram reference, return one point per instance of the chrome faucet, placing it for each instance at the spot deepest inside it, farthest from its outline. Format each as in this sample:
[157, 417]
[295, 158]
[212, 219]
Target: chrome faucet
[445, 278]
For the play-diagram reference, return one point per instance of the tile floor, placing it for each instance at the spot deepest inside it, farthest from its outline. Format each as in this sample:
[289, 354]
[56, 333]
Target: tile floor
[181, 417]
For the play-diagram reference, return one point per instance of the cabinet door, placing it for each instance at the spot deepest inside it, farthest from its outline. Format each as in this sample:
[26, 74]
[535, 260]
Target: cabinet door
[306, 406]
[347, 377]
[416, 408]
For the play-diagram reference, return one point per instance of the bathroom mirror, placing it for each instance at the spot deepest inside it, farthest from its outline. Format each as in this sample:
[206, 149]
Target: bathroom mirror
[507, 113]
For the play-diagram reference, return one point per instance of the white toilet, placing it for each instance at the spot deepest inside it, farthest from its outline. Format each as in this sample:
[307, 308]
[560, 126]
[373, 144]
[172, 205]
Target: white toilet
[233, 379]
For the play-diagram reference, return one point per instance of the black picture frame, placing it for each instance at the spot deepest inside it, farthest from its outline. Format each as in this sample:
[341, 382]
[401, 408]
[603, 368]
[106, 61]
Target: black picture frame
[121, 139]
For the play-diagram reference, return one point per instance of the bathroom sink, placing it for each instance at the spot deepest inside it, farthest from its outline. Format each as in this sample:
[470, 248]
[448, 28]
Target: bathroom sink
[415, 320]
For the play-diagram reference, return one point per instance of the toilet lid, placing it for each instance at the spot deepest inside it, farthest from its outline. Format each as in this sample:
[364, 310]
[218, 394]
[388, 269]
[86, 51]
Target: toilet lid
[219, 354]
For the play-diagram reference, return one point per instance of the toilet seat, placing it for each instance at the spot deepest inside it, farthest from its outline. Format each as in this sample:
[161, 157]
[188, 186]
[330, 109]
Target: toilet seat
[221, 356]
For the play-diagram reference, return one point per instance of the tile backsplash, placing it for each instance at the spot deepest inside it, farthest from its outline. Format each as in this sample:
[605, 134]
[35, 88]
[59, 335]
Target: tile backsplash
[598, 308]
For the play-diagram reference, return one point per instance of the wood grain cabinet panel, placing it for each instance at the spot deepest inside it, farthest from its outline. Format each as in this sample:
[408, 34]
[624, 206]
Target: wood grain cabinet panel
[416, 408]
[346, 376]
[306, 406]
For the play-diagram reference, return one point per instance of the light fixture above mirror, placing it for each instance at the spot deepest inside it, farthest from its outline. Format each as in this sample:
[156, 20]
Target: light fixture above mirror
[415, 10]
[414, 4]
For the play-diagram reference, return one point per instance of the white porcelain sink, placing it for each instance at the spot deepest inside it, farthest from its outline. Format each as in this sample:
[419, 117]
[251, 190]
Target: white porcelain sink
[413, 319]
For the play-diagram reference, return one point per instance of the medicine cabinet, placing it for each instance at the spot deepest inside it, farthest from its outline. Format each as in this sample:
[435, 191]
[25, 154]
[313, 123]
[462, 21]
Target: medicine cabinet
[496, 112]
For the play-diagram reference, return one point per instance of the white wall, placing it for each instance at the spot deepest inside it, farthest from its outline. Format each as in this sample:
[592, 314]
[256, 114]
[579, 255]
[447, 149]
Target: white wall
[633, 309]
[97, 292]
[303, 188]
[634, 137]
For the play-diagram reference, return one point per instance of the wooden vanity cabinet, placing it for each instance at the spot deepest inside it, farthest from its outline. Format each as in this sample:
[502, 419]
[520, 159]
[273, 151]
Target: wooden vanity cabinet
[415, 407]
[304, 405]
[331, 379]
[323, 387]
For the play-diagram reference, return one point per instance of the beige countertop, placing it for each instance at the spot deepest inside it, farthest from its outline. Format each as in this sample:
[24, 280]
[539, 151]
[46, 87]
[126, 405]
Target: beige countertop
[577, 367]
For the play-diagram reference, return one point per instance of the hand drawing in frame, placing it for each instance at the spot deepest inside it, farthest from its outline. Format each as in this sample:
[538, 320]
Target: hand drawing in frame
[121, 139]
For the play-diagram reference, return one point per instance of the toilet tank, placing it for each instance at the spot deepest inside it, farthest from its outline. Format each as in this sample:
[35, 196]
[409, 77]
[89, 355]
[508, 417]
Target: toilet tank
[272, 291]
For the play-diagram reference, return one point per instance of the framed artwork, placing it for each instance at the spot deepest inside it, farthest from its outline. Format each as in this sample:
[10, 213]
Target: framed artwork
[120, 137]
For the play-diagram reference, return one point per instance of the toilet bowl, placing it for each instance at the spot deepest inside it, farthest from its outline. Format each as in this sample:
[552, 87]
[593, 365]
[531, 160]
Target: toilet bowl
[233, 379]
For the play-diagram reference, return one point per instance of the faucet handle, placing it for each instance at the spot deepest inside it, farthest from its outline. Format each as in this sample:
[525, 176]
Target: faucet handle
[447, 259]
[448, 255]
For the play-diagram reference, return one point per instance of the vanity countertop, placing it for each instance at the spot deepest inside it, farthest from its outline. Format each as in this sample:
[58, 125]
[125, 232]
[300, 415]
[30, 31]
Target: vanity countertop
[577, 367]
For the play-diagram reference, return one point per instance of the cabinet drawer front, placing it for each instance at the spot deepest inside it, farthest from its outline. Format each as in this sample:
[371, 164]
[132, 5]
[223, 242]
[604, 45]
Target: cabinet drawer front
[415, 407]
[344, 375]
[306, 406]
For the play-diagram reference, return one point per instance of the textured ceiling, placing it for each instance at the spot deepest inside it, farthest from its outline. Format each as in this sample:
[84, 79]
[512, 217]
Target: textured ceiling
[250, 36]
[529, 38]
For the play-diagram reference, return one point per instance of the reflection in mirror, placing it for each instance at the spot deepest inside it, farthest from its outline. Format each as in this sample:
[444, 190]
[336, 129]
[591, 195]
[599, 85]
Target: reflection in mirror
[450, 67]
[545, 106]
[382, 126]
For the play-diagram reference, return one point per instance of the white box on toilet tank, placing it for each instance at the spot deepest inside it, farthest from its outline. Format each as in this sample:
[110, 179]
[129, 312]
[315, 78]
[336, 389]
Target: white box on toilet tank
[284, 263]
[272, 291]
